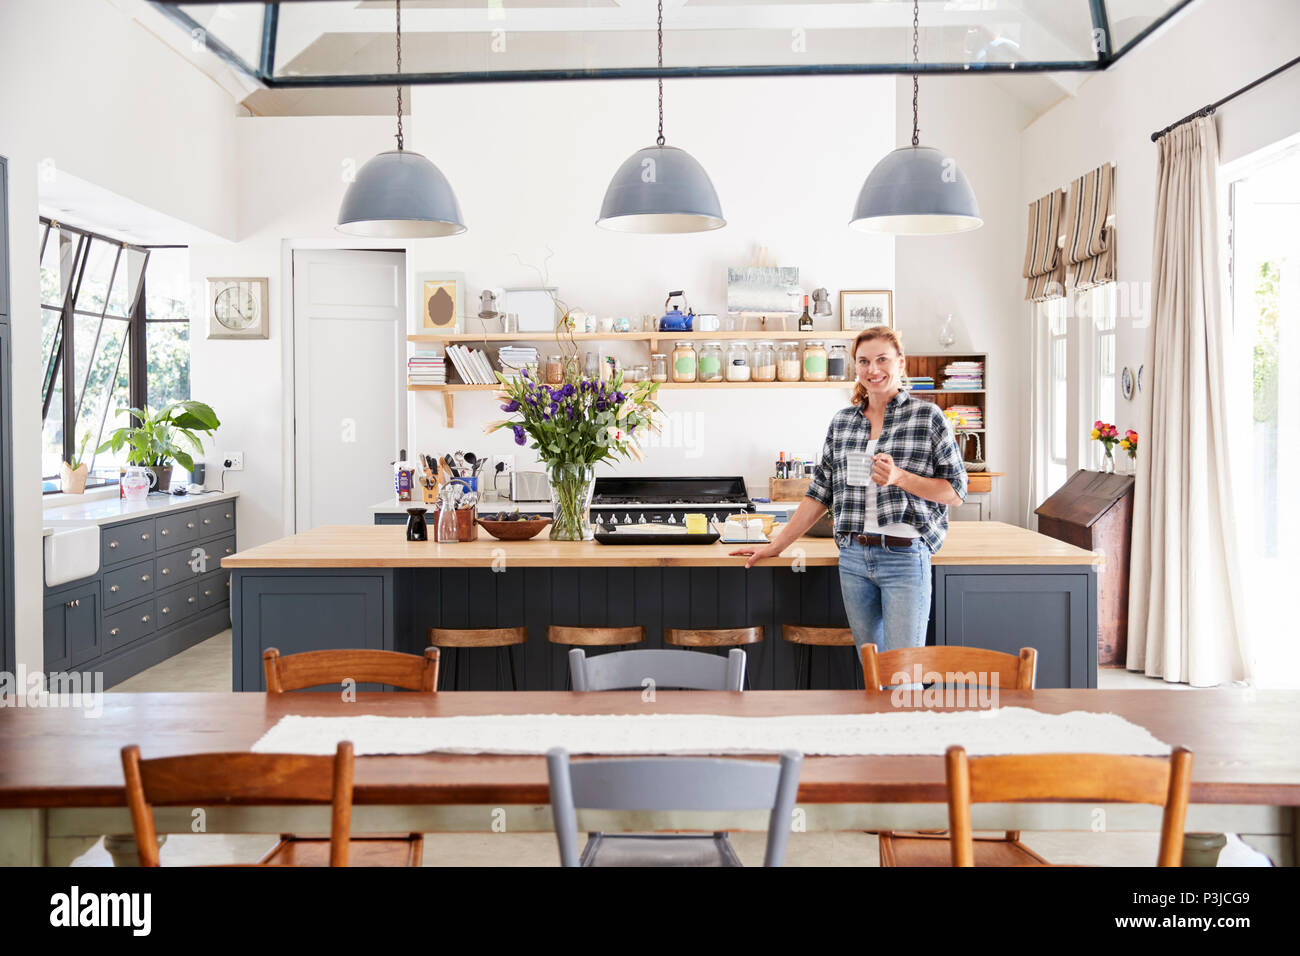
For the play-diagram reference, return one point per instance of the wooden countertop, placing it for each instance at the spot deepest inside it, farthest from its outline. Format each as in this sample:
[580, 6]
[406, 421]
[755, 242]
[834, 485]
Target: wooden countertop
[380, 546]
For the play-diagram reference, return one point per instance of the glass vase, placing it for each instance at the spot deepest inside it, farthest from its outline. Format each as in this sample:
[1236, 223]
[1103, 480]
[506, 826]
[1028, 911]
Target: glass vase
[571, 487]
[1107, 463]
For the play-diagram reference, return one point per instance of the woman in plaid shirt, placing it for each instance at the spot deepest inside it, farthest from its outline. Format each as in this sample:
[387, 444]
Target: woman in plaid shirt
[889, 469]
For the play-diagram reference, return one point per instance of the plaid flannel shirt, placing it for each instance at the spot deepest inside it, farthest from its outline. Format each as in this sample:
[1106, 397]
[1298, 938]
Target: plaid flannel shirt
[919, 439]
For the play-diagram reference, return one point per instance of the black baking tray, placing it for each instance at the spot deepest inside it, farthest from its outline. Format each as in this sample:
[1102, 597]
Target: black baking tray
[650, 537]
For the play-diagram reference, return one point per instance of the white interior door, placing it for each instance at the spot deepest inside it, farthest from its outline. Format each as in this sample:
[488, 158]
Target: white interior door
[349, 327]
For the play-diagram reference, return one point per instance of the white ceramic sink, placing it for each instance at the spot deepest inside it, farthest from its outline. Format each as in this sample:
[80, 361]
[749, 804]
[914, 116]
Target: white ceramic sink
[71, 553]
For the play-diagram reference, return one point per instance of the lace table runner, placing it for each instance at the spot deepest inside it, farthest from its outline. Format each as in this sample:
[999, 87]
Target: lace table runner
[1005, 730]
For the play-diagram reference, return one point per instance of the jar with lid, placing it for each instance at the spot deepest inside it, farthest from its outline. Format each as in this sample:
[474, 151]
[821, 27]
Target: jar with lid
[814, 362]
[711, 362]
[763, 362]
[554, 370]
[838, 364]
[738, 368]
[637, 373]
[788, 366]
[684, 362]
[658, 367]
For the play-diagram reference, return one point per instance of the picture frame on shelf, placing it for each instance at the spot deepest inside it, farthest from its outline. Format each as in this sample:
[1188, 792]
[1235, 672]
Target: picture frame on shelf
[536, 307]
[441, 297]
[862, 308]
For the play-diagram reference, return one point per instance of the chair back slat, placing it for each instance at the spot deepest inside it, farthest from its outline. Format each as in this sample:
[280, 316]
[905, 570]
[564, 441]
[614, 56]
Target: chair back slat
[689, 670]
[672, 783]
[967, 666]
[319, 668]
[1076, 778]
[222, 778]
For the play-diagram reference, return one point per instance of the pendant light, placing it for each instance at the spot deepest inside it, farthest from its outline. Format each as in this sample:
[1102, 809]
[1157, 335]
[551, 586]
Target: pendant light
[400, 194]
[661, 189]
[916, 190]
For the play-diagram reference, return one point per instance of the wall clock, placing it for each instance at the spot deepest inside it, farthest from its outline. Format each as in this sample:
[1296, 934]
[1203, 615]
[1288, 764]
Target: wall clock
[237, 308]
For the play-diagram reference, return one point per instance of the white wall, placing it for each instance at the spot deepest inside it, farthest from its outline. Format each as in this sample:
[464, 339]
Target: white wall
[85, 90]
[975, 276]
[530, 164]
[1211, 50]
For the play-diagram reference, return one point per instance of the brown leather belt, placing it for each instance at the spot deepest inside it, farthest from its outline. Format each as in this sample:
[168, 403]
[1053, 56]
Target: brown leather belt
[876, 540]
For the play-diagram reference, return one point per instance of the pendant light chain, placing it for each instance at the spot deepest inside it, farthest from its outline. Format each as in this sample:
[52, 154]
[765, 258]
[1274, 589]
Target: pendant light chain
[916, 84]
[660, 140]
[398, 4]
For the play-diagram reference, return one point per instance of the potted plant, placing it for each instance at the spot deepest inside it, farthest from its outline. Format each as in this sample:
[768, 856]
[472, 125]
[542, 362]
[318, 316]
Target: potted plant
[74, 473]
[155, 442]
[574, 425]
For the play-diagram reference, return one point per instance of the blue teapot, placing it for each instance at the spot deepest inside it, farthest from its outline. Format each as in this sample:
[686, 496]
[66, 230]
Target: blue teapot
[674, 320]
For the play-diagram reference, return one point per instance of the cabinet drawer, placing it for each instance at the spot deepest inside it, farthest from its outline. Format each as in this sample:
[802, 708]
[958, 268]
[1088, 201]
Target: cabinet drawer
[219, 550]
[174, 529]
[217, 519]
[179, 567]
[214, 589]
[123, 627]
[121, 542]
[129, 583]
[177, 604]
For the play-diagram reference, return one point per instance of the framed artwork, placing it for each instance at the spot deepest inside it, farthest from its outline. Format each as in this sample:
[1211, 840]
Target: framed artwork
[535, 306]
[860, 309]
[442, 305]
[763, 290]
[237, 308]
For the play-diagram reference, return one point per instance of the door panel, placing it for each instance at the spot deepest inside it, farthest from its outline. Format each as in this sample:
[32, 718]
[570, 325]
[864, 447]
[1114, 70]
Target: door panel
[349, 328]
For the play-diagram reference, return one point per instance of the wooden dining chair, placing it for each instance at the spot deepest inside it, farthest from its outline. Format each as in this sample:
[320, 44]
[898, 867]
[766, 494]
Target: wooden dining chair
[1160, 781]
[198, 779]
[313, 668]
[969, 667]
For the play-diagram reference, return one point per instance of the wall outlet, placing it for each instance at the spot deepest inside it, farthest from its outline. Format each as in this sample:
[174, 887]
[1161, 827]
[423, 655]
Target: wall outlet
[508, 461]
[233, 461]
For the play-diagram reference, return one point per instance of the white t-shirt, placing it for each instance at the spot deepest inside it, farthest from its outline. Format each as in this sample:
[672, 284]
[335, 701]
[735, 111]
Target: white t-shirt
[870, 525]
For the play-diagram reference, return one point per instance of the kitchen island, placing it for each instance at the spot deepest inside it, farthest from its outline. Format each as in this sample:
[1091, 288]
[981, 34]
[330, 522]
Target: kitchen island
[995, 585]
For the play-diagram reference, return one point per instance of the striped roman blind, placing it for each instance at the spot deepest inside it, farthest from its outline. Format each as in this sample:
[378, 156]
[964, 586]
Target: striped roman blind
[1089, 242]
[1044, 267]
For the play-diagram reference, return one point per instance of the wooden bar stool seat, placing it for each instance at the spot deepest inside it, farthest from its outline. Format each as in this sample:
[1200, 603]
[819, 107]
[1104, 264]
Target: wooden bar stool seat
[713, 637]
[475, 638]
[595, 636]
[805, 638]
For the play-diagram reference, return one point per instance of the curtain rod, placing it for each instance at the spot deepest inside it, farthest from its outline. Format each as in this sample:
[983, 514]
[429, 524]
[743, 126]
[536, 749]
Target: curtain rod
[1209, 110]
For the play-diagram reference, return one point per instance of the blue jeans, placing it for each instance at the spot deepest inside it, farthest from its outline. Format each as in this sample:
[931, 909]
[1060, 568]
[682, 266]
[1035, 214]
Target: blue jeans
[886, 593]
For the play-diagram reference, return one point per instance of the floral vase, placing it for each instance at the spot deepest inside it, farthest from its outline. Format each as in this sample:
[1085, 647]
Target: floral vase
[571, 487]
[1108, 463]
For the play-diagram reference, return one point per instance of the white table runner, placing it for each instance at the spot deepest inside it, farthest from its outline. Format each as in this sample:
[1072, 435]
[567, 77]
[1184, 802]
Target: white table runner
[1005, 730]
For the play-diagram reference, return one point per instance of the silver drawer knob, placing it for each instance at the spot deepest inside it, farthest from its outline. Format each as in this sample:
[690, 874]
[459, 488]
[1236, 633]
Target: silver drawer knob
[227, 514]
[113, 632]
[191, 599]
[163, 531]
[144, 536]
[145, 619]
[230, 550]
[166, 570]
[189, 524]
[207, 521]
[114, 588]
[208, 593]
[167, 610]
[112, 544]
[144, 577]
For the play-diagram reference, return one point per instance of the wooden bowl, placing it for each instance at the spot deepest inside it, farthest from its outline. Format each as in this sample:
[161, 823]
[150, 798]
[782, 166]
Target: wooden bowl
[513, 530]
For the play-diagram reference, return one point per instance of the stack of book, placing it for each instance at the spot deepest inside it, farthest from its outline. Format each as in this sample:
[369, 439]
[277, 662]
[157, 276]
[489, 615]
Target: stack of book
[959, 375]
[920, 383]
[426, 368]
[969, 417]
[513, 358]
[472, 365]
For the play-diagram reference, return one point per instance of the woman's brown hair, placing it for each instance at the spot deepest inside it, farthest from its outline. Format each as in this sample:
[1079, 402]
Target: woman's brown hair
[870, 335]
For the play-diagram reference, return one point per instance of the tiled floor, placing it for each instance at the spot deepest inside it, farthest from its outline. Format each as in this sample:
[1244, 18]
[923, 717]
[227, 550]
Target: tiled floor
[206, 667]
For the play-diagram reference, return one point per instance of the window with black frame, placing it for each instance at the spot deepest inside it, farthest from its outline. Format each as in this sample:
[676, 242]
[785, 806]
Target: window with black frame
[114, 324]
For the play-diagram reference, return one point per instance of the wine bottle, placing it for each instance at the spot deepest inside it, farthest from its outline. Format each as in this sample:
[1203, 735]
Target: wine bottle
[805, 320]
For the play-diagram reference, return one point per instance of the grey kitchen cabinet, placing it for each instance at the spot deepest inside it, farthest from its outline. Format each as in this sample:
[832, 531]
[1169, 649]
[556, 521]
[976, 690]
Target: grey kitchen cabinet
[160, 589]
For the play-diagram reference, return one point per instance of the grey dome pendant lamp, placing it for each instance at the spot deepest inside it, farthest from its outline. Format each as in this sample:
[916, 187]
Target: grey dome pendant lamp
[661, 189]
[916, 190]
[400, 194]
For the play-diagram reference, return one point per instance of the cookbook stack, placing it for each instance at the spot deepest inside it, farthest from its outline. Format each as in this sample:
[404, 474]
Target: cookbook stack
[963, 375]
[426, 368]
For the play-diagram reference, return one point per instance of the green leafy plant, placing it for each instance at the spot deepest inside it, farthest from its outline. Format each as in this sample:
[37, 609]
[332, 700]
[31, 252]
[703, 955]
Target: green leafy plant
[157, 440]
[79, 457]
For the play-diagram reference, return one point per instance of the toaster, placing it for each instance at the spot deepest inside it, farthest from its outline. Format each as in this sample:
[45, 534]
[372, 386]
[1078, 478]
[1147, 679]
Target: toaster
[529, 486]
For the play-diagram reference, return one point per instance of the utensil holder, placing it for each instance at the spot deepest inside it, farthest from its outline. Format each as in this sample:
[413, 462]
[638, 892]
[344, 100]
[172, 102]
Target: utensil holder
[466, 523]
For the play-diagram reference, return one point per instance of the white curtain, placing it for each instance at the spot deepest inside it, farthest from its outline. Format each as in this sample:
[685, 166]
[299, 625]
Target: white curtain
[1185, 596]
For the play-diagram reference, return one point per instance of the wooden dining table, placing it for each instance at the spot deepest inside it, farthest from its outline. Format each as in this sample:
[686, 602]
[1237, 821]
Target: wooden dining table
[61, 784]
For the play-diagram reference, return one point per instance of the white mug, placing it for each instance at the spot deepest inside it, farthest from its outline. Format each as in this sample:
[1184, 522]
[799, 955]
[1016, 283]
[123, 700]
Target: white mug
[706, 323]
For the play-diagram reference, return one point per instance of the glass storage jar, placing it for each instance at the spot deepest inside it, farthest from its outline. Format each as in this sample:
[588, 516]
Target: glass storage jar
[711, 362]
[658, 367]
[838, 364]
[684, 362]
[738, 362]
[814, 362]
[788, 366]
[763, 362]
[554, 370]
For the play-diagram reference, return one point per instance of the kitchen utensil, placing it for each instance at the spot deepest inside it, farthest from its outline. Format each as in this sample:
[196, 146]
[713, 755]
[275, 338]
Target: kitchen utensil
[471, 459]
[468, 500]
[513, 530]
[460, 464]
[451, 465]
